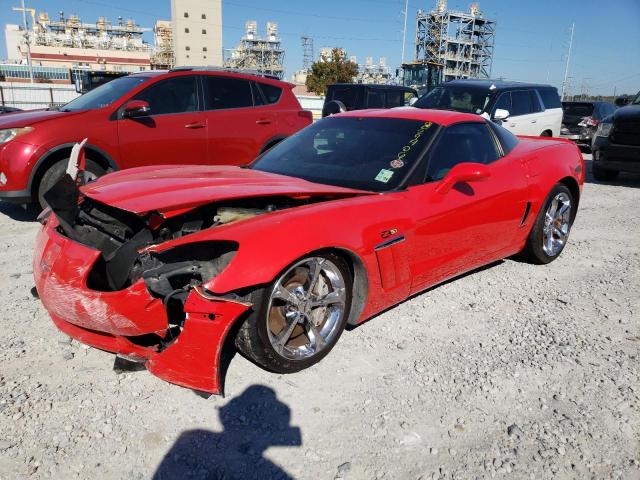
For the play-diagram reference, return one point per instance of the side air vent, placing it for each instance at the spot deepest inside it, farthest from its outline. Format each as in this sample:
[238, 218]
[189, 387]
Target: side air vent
[526, 213]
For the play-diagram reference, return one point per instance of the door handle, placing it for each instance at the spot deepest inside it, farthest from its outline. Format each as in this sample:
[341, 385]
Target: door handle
[534, 121]
[263, 121]
[195, 125]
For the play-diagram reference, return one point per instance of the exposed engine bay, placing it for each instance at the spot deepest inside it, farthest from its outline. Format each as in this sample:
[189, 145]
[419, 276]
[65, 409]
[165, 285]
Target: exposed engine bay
[122, 237]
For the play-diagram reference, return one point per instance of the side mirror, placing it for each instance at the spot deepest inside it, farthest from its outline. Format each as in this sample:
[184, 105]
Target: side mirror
[136, 108]
[463, 172]
[501, 114]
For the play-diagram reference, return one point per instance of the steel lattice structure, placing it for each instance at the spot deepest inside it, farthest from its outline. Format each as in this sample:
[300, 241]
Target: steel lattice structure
[264, 55]
[461, 41]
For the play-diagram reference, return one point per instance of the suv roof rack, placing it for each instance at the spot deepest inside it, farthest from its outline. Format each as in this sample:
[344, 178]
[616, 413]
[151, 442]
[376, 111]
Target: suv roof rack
[225, 69]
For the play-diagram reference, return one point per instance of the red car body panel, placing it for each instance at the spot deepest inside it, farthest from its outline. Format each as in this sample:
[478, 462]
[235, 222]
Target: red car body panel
[230, 136]
[399, 242]
[163, 188]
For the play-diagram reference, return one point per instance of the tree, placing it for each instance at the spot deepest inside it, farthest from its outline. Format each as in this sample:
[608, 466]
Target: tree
[330, 69]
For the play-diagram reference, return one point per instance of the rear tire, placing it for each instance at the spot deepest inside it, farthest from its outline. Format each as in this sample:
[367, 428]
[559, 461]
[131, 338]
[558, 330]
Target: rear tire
[57, 171]
[550, 231]
[285, 333]
[603, 175]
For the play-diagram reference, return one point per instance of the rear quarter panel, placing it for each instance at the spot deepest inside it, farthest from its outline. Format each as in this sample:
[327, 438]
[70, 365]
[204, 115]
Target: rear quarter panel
[552, 120]
[548, 161]
[288, 111]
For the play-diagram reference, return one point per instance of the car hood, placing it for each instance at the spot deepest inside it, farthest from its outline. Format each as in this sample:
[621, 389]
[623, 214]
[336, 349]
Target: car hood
[630, 113]
[174, 189]
[30, 117]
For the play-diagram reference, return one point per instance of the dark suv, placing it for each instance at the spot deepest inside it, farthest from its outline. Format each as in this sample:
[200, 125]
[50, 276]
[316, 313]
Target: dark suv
[342, 97]
[616, 143]
[184, 116]
[580, 119]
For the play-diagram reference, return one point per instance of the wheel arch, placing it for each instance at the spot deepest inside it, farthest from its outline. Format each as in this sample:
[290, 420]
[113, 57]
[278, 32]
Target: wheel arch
[360, 287]
[62, 151]
[572, 184]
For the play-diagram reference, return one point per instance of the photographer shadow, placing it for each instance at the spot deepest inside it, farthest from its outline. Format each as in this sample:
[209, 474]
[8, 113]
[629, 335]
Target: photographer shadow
[253, 422]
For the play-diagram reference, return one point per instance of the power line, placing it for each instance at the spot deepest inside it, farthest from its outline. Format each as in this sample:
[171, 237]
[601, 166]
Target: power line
[281, 33]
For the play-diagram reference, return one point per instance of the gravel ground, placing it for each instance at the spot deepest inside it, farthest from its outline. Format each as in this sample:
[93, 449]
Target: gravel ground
[513, 371]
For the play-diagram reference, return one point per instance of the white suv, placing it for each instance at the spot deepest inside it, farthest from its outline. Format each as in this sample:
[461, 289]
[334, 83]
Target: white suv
[522, 108]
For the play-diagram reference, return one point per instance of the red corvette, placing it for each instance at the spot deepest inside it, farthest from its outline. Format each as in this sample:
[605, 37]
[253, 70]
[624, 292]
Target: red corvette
[346, 218]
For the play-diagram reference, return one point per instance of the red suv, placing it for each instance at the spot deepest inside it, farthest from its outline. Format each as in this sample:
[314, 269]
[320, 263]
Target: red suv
[184, 116]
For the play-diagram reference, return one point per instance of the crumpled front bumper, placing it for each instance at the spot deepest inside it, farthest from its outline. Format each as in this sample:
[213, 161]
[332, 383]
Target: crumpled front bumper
[111, 321]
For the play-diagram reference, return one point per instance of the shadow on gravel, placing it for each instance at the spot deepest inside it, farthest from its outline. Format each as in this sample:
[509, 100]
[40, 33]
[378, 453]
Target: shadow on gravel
[253, 422]
[17, 212]
[423, 292]
[624, 179]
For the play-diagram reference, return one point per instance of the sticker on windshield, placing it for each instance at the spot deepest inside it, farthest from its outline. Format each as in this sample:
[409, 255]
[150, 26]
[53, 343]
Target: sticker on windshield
[384, 176]
[399, 161]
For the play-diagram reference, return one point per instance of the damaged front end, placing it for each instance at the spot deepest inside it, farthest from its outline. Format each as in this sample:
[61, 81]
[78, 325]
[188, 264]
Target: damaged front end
[108, 280]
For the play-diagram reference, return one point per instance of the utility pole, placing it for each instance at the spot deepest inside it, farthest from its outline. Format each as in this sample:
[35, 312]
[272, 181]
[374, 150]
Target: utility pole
[27, 38]
[404, 30]
[566, 68]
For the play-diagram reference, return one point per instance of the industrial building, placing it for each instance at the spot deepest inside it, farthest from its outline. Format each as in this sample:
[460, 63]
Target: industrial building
[462, 42]
[58, 45]
[262, 54]
[371, 72]
[197, 32]
[67, 42]
[163, 57]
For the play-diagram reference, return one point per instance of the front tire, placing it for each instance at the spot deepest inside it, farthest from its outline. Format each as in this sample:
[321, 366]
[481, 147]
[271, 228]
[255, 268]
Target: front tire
[299, 318]
[550, 231]
[57, 171]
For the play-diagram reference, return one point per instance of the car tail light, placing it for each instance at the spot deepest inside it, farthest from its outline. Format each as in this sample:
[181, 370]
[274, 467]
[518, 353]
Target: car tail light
[308, 114]
[589, 122]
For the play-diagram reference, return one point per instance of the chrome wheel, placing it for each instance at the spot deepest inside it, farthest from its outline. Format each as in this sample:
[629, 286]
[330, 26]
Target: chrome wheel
[557, 223]
[87, 177]
[305, 308]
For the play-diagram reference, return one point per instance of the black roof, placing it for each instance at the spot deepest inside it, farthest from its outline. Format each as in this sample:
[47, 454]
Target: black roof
[374, 86]
[497, 84]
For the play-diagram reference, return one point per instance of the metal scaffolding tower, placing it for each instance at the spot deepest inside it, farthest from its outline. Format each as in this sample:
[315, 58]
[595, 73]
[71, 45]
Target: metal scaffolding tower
[461, 41]
[307, 53]
[163, 56]
[264, 55]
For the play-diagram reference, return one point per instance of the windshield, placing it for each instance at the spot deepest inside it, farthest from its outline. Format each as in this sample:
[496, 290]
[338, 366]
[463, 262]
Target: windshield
[421, 76]
[461, 98]
[637, 100]
[373, 154]
[105, 94]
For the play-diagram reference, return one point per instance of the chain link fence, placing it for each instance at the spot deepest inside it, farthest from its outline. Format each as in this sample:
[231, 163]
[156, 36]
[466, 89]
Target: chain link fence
[32, 96]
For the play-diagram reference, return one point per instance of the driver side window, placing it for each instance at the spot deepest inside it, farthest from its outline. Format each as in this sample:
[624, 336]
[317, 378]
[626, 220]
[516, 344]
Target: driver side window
[460, 143]
[174, 95]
